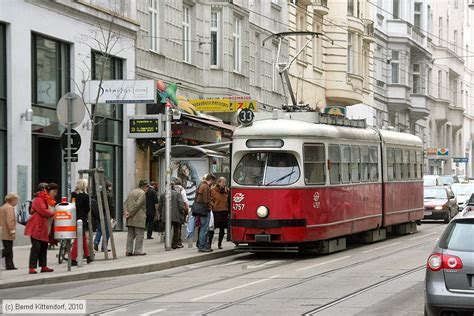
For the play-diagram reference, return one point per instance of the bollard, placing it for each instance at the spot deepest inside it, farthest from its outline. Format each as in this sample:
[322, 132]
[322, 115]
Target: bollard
[80, 246]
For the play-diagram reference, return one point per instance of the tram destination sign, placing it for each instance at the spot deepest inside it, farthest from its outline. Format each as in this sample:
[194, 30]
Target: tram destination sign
[145, 126]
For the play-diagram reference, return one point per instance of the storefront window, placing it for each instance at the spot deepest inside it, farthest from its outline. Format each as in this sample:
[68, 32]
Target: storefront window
[108, 133]
[3, 112]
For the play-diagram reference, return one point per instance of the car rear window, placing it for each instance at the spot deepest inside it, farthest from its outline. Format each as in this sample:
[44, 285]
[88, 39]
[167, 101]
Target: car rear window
[460, 236]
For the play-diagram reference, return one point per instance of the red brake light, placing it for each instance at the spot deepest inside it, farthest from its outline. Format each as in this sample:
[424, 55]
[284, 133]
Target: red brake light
[452, 262]
[438, 261]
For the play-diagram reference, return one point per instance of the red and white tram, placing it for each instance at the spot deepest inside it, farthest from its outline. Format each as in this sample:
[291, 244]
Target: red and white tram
[298, 184]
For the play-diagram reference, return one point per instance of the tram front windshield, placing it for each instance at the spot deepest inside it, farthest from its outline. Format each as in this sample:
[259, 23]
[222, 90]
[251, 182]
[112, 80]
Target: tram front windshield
[267, 169]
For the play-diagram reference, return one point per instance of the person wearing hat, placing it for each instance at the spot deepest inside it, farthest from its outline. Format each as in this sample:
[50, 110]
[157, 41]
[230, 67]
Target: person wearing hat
[135, 214]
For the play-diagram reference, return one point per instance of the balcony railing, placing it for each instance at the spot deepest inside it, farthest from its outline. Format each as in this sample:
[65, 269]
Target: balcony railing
[416, 35]
[369, 28]
[323, 3]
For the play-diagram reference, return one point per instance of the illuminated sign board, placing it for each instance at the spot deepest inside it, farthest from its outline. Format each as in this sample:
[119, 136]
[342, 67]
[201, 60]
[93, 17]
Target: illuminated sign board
[144, 126]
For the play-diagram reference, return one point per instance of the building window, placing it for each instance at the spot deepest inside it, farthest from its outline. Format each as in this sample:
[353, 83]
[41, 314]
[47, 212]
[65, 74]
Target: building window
[187, 34]
[456, 4]
[440, 29]
[395, 62]
[317, 44]
[396, 9]
[154, 25]
[275, 75]
[440, 84]
[237, 52]
[301, 26]
[417, 15]
[350, 7]
[428, 81]
[51, 80]
[3, 111]
[108, 133]
[416, 78]
[454, 90]
[258, 61]
[350, 53]
[215, 39]
[455, 41]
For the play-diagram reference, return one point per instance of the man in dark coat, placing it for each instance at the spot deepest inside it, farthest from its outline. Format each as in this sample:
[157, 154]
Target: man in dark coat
[177, 214]
[151, 202]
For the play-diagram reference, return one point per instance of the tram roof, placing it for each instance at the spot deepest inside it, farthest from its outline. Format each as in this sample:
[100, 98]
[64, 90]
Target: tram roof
[285, 128]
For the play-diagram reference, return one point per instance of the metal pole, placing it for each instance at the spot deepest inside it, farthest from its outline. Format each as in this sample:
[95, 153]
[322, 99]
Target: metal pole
[80, 249]
[168, 178]
[69, 99]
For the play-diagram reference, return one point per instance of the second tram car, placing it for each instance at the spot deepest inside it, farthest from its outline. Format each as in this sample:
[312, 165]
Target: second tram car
[300, 185]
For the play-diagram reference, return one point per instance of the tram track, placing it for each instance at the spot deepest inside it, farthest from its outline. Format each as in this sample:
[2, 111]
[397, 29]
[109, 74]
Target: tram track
[230, 304]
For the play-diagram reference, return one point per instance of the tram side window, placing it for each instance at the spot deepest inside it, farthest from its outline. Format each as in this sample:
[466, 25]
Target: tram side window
[345, 163]
[419, 165]
[334, 161]
[412, 164]
[355, 160]
[405, 164]
[398, 164]
[365, 162]
[390, 164]
[374, 159]
[314, 164]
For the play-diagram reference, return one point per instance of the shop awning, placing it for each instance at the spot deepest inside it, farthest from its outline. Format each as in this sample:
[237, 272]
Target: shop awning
[220, 126]
[180, 151]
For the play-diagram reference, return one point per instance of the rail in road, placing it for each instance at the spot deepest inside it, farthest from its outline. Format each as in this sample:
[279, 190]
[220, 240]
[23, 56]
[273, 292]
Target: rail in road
[225, 286]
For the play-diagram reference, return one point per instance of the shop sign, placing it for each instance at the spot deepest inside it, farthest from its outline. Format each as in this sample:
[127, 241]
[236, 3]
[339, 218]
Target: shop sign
[437, 152]
[223, 105]
[460, 159]
[335, 110]
[121, 91]
[443, 152]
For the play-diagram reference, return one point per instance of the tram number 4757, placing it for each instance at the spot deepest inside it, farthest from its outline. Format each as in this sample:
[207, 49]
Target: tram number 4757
[238, 207]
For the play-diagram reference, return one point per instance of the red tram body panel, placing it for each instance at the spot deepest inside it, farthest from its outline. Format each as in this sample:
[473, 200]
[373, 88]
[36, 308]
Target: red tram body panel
[297, 182]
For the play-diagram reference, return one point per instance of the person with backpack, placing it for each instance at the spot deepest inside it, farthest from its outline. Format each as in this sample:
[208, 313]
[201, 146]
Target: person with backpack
[8, 225]
[38, 226]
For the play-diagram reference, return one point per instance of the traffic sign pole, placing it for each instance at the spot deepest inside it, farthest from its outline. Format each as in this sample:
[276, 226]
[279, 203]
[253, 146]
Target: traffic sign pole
[168, 177]
[70, 97]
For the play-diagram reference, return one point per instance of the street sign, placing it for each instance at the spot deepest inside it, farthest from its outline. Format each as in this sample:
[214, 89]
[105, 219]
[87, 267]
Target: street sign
[78, 110]
[73, 158]
[246, 117]
[460, 159]
[75, 141]
[145, 126]
[121, 91]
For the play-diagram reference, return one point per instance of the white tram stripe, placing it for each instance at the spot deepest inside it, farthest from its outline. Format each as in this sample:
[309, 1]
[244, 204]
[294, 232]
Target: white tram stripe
[423, 236]
[233, 288]
[383, 247]
[322, 263]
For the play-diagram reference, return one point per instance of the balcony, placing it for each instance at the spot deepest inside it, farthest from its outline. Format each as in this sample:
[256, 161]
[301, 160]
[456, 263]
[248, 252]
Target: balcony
[456, 116]
[420, 106]
[403, 29]
[398, 97]
[320, 7]
[440, 111]
[416, 35]
[369, 31]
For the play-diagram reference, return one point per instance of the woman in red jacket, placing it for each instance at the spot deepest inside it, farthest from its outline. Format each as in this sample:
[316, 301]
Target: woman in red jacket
[38, 226]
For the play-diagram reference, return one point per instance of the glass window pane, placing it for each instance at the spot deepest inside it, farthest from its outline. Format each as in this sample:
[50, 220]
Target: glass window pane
[3, 163]
[315, 164]
[314, 153]
[355, 159]
[3, 114]
[374, 163]
[334, 154]
[46, 72]
[3, 63]
[345, 165]
[109, 131]
[45, 121]
[334, 158]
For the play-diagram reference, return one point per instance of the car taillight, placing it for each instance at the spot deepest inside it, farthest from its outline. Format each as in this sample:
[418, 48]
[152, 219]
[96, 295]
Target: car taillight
[438, 261]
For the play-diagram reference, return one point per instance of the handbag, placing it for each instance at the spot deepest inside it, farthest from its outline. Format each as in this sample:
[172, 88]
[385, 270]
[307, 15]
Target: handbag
[199, 209]
[158, 226]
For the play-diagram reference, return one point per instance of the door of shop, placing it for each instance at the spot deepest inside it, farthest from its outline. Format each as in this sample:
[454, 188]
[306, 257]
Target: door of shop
[47, 161]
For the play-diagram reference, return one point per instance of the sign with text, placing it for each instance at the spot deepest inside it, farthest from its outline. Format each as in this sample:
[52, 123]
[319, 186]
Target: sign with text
[145, 126]
[223, 105]
[460, 159]
[120, 91]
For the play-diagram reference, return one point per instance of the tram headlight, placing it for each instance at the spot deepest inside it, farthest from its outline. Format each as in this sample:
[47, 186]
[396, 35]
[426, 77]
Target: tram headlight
[262, 211]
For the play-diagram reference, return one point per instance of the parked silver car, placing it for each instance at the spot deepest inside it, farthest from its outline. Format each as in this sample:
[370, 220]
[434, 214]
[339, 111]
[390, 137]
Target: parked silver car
[449, 283]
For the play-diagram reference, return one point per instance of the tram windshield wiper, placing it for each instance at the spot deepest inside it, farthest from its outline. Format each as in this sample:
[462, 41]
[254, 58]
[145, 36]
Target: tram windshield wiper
[279, 179]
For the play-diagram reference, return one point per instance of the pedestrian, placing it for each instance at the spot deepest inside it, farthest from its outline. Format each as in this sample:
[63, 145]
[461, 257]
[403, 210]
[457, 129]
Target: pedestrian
[178, 186]
[8, 225]
[39, 224]
[151, 206]
[220, 208]
[135, 214]
[203, 196]
[176, 214]
[81, 199]
[111, 202]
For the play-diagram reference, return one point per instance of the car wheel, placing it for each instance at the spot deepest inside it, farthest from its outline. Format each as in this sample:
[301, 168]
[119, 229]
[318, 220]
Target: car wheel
[447, 218]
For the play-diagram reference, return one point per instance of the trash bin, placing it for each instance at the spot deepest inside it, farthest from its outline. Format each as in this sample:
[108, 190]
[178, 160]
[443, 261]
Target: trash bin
[65, 220]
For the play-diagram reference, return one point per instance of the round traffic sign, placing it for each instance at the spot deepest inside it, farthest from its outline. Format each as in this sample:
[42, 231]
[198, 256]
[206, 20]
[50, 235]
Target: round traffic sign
[75, 141]
[77, 108]
[246, 116]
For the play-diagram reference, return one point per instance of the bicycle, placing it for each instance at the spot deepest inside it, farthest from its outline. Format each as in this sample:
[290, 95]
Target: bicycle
[64, 249]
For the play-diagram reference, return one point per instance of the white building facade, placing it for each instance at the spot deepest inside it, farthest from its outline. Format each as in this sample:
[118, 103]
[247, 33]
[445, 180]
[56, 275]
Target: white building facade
[48, 49]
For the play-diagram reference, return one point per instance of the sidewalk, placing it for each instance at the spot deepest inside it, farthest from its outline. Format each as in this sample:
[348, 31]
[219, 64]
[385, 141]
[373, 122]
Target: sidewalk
[156, 259]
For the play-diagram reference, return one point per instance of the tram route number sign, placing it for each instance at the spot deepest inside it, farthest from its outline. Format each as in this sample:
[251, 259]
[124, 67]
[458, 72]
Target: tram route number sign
[246, 117]
[145, 126]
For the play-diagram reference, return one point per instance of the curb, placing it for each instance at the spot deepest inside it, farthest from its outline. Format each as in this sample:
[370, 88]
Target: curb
[141, 269]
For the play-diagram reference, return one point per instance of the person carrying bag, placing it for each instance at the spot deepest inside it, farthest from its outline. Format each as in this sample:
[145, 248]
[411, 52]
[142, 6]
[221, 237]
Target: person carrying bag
[202, 207]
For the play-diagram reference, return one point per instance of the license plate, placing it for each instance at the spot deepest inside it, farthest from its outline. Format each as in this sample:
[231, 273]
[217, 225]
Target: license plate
[262, 238]
[428, 213]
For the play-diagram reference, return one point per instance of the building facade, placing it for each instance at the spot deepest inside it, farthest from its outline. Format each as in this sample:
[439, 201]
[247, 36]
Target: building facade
[48, 49]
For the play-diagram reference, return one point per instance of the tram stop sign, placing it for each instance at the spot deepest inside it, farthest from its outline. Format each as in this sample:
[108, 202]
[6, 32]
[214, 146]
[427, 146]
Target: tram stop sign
[246, 117]
[75, 141]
